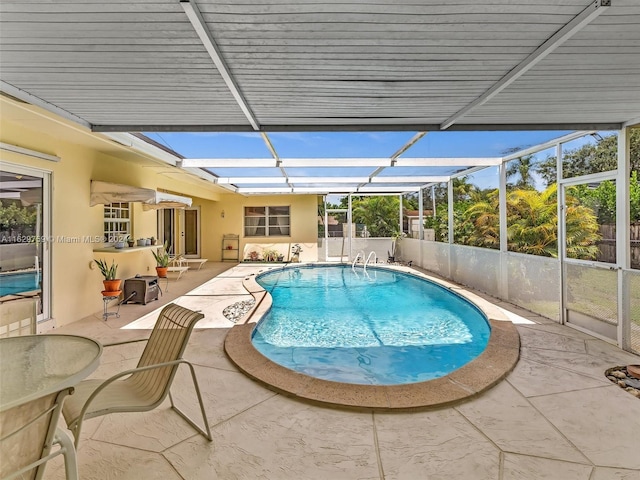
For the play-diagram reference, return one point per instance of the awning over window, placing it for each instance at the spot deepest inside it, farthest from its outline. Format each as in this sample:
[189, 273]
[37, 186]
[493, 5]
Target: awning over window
[105, 192]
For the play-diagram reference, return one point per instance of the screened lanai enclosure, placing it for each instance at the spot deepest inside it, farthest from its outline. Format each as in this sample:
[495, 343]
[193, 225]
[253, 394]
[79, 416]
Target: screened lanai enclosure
[553, 228]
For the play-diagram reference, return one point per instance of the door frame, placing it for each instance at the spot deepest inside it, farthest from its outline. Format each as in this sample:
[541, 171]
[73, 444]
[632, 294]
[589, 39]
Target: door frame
[45, 235]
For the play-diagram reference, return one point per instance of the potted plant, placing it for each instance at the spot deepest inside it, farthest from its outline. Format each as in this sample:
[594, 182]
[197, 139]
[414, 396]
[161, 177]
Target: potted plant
[254, 256]
[120, 242]
[111, 283]
[269, 255]
[162, 260]
[130, 241]
[296, 250]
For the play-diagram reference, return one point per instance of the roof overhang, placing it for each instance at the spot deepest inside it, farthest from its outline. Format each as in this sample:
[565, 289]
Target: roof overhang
[205, 65]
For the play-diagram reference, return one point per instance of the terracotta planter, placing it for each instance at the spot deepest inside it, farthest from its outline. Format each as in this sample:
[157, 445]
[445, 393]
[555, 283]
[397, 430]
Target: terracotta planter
[161, 272]
[112, 285]
[115, 293]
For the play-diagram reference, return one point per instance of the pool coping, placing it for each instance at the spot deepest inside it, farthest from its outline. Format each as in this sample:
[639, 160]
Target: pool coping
[490, 367]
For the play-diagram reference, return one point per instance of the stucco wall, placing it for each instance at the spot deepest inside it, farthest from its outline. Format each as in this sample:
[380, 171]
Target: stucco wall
[304, 229]
[76, 283]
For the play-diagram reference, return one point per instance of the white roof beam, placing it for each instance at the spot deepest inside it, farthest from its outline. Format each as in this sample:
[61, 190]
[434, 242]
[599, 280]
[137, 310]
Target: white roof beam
[466, 172]
[265, 190]
[241, 180]
[410, 179]
[328, 190]
[546, 145]
[229, 162]
[328, 179]
[335, 162]
[200, 26]
[408, 145]
[412, 141]
[275, 155]
[447, 162]
[338, 162]
[383, 189]
[578, 22]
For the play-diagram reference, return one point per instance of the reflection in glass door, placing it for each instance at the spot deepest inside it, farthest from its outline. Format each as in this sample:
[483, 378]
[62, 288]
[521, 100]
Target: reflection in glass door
[192, 232]
[24, 249]
[166, 230]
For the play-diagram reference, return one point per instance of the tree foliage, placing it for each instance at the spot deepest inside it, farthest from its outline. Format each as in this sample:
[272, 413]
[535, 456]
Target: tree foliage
[532, 219]
[523, 170]
[16, 220]
[590, 158]
[379, 214]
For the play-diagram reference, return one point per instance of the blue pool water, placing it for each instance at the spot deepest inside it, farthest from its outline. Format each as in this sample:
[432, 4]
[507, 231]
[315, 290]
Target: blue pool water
[382, 328]
[18, 282]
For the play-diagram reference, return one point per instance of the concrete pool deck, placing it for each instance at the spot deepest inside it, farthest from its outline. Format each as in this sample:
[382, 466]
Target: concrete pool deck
[554, 416]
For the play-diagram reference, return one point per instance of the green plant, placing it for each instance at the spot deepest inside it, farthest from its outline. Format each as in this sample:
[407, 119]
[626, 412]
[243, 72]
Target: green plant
[108, 272]
[162, 256]
[269, 255]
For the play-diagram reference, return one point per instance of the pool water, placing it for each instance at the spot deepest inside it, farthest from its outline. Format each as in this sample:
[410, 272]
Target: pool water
[12, 283]
[378, 327]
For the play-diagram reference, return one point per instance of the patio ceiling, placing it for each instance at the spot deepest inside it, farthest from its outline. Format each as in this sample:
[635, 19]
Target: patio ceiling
[292, 65]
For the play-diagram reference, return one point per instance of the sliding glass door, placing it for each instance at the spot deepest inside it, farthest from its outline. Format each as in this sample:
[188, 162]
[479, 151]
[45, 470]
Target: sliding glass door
[25, 234]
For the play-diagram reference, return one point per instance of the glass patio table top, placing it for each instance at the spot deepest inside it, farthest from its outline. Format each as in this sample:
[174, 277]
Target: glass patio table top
[33, 366]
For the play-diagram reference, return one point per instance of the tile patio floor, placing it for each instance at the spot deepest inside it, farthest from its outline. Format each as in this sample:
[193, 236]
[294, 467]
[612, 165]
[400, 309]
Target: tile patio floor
[555, 416]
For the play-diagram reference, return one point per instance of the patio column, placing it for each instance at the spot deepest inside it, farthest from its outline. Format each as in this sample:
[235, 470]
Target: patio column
[349, 226]
[502, 212]
[450, 211]
[562, 248]
[420, 216]
[400, 215]
[623, 241]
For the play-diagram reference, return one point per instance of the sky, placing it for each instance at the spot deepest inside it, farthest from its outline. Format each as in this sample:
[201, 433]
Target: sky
[350, 144]
[354, 145]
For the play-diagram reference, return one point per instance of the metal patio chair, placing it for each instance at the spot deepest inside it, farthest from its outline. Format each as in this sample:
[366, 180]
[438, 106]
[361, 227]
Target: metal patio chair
[146, 386]
[28, 435]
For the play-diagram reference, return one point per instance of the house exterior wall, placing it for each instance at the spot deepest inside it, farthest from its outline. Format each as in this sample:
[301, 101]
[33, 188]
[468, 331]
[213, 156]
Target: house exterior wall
[85, 156]
[303, 217]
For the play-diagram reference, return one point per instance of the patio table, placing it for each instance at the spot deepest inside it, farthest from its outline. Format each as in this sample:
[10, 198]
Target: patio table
[36, 373]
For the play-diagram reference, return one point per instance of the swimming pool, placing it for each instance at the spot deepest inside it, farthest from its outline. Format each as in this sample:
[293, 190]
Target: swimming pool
[11, 283]
[384, 327]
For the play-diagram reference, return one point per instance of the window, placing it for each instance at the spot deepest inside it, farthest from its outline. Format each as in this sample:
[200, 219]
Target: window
[117, 222]
[266, 221]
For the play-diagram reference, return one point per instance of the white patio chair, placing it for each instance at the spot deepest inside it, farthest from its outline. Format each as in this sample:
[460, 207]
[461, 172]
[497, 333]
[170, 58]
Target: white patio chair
[29, 435]
[146, 386]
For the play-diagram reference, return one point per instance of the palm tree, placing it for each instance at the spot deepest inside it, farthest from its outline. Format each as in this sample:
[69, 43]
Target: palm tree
[379, 214]
[582, 230]
[523, 169]
[532, 221]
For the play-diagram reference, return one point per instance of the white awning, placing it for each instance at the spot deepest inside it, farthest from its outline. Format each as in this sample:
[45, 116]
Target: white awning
[104, 193]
